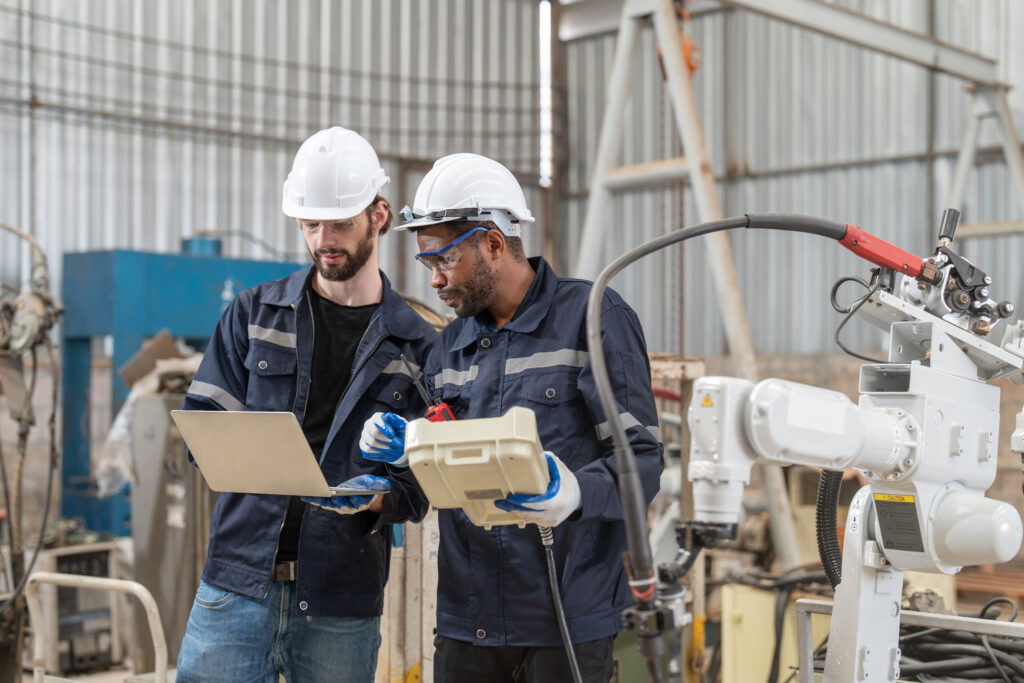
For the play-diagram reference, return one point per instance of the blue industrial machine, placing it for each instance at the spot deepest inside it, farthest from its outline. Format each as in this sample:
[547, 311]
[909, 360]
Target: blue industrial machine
[130, 296]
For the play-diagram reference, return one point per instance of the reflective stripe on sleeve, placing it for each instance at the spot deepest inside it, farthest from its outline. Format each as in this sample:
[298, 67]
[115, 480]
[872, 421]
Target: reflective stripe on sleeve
[220, 396]
[604, 430]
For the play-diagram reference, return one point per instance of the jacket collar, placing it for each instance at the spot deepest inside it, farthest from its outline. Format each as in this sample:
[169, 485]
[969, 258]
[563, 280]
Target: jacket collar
[528, 316]
[397, 318]
[287, 290]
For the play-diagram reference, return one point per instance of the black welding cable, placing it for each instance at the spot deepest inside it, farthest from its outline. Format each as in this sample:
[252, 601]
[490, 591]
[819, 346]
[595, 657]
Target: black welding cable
[955, 668]
[630, 489]
[1001, 600]
[833, 294]
[977, 676]
[936, 651]
[547, 537]
[842, 323]
[819, 647]
[985, 639]
[781, 602]
[825, 526]
[1011, 645]
[995, 660]
[715, 660]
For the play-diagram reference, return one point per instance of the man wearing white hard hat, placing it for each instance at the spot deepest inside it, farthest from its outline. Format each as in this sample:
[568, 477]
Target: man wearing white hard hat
[292, 586]
[520, 340]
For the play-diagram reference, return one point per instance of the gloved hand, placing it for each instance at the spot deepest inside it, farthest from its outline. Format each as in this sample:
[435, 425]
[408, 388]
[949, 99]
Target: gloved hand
[383, 439]
[552, 507]
[349, 505]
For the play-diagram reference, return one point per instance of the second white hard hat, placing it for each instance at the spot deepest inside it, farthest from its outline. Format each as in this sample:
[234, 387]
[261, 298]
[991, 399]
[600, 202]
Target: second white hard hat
[335, 175]
[468, 186]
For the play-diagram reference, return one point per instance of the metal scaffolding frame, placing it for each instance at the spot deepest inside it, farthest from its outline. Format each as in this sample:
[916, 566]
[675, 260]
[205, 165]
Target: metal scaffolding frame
[589, 17]
[696, 167]
[988, 101]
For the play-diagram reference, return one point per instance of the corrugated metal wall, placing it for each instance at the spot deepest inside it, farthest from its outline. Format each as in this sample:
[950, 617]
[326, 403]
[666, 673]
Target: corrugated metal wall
[128, 124]
[802, 123]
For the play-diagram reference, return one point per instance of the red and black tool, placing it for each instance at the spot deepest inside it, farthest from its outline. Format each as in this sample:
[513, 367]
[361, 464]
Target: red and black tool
[437, 411]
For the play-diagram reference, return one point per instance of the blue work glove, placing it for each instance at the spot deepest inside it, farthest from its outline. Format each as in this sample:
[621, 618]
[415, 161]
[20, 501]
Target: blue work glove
[349, 505]
[383, 439]
[552, 507]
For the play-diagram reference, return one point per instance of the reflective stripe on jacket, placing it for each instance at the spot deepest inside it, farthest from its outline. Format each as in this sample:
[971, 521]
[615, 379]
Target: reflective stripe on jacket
[260, 358]
[493, 587]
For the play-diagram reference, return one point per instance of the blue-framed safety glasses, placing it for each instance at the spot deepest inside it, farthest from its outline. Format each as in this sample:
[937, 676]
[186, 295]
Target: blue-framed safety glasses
[447, 257]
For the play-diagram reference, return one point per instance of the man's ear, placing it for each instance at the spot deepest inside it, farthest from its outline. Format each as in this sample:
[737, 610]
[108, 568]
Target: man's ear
[379, 215]
[496, 245]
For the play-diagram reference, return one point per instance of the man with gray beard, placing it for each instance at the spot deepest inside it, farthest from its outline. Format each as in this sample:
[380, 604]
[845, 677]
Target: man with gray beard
[294, 587]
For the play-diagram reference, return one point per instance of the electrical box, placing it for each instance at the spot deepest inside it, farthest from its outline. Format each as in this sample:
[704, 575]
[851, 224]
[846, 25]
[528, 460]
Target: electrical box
[81, 626]
[469, 464]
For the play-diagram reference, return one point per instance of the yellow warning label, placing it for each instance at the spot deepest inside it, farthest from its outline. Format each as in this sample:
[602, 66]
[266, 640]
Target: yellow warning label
[706, 403]
[893, 498]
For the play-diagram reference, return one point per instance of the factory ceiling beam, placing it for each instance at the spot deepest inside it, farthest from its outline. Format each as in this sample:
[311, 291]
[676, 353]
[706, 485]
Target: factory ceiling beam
[864, 31]
[582, 18]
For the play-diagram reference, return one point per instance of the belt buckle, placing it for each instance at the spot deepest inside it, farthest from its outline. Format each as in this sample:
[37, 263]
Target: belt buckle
[286, 571]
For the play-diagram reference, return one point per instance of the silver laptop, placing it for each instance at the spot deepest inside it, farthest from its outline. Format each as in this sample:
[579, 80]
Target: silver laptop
[254, 452]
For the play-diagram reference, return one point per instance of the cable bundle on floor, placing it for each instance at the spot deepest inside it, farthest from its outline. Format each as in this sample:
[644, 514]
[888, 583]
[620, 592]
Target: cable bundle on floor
[932, 654]
[951, 656]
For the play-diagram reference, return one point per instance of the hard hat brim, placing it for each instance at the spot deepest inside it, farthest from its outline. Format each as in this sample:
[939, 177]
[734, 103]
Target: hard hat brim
[426, 221]
[322, 214]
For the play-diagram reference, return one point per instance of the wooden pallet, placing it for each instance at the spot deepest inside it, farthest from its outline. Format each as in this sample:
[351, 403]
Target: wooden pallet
[986, 582]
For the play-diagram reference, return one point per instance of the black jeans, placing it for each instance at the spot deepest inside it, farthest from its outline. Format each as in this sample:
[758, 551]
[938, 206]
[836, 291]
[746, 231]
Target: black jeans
[456, 661]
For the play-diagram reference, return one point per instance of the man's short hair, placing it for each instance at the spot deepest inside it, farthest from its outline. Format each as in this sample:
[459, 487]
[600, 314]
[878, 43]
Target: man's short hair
[369, 214]
[460, 227]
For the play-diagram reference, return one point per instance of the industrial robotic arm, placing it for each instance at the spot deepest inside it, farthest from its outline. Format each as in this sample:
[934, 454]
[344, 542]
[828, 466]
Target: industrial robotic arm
[924, 434]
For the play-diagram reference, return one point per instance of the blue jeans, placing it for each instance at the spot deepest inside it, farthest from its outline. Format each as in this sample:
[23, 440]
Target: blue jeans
[232, 637]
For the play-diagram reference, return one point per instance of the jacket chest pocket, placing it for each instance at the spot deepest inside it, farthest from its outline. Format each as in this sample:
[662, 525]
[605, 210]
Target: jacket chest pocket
[555, 398]
[392, 393]
[271, 377]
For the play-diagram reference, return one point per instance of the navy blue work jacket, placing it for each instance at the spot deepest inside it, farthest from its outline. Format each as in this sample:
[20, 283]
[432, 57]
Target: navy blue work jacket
[492, 585]
[260, 358]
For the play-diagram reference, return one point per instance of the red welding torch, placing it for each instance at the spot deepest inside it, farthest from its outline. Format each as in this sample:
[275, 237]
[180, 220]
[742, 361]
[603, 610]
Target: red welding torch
[880, 252]
[860, 242]
[437, 411]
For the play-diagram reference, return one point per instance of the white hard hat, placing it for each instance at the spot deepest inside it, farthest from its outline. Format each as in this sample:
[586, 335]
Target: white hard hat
[335, 175]
[468, 186]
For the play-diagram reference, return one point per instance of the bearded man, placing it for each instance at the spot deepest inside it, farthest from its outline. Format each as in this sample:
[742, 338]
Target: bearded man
[292, 586]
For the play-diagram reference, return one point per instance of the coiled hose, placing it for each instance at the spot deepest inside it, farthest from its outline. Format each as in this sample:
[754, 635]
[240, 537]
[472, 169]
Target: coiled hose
[825, 525]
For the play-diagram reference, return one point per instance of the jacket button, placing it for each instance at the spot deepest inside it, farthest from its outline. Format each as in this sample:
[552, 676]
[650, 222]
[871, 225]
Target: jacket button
[550, 393]
[485, 342]
[262, 365]
[303, 605]
[397, 396]
[481, 634]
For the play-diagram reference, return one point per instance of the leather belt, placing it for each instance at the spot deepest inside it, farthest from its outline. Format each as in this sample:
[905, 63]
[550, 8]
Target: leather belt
[286, 571]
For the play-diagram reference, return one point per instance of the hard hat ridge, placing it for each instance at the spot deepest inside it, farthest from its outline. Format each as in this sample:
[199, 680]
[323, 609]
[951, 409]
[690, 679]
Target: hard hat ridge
[335, 175]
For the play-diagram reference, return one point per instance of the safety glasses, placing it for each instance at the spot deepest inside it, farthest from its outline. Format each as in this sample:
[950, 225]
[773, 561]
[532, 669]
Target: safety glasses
[447, 257]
